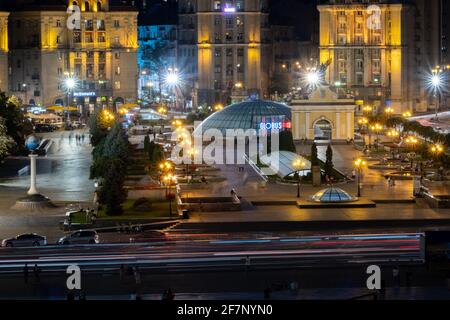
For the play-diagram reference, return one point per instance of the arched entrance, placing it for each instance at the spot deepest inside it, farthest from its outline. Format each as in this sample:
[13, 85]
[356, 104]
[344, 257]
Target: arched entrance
[323, 130]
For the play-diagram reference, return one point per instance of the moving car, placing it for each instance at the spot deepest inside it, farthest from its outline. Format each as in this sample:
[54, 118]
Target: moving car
[25, 240]
[80, 237]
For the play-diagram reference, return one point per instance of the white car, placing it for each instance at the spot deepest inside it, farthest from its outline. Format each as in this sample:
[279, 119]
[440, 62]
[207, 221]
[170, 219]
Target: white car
[25, 240]
[80, 237]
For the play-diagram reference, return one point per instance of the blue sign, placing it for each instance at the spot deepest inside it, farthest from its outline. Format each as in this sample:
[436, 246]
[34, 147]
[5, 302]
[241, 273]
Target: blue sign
[32, 142]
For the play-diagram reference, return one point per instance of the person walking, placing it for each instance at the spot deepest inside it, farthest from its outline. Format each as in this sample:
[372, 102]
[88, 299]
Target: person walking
[36, 271]
[25, 273]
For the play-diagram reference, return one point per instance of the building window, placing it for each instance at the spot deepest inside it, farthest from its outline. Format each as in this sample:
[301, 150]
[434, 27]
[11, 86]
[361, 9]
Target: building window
[117, 55]
[58, 23]
[217, 5]
[229, 22]
[116, 40]
[89, 70]
[89, 25]
[118, 71]
[77, 37]
[218, 68]
[359, 79]
[101, 25]
[217, 52]
[101, 37]
[240, 36]
[229, 36]
[116, 24]
[240, 52]
[86, 6]
[88, 37]
[229, 69]
[229, 52]
[217, 21]
[117, 85]
[58, 39]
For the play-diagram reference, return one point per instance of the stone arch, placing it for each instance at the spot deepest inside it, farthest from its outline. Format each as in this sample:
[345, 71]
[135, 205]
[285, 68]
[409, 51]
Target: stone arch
[323, 129]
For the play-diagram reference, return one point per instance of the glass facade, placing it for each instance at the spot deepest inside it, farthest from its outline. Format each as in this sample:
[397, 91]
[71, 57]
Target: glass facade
[254, 114]
[333, 195]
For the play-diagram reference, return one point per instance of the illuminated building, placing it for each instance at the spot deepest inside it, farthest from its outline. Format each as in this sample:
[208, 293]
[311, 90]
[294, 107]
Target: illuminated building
[224, 44]
[4, 51]
[380, 54]
[100, 53]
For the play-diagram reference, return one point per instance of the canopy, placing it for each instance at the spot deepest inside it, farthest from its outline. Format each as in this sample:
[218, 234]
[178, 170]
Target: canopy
[62, 108]
[42, 116]
[285, 164]
[129, 105]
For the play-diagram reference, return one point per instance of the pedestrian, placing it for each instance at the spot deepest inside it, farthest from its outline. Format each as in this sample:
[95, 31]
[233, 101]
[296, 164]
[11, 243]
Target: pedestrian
[121, 271]
[396, 275]
[36, 271]
[25, 273]
[247, 263]
[137, 275]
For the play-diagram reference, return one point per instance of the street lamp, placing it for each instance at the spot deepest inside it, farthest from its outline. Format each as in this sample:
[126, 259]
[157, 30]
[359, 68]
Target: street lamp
[436, 81]
[168, 179]
[313, 79]
[359, 165]
[362, 123]
[389, 111]
[298, 165]
[376, 128]
[406, 114]
[393, 134]
[367, 109]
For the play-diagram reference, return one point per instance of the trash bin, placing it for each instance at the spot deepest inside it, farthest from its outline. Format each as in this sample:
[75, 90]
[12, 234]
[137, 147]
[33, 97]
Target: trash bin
[185, 214]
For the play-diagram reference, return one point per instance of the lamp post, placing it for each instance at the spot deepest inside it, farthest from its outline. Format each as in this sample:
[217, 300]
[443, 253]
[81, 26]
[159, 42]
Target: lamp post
[362, 124]
[359, 165]
[168, 179]
[376, 128]
[298, 165]
[412, 141]
[436, 82]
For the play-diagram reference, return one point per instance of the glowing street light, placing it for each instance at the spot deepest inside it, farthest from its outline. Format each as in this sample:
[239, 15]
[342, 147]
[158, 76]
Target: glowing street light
[437, 149]
[298, 164]
[313, 78]
[359, 165]
[367, 109]
[218, 107]
[406, 114]
[389, 111]
[70, 83]
[168, 180]
[376, 128]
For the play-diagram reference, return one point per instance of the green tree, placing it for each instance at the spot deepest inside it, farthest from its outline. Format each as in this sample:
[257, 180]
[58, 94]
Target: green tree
[112, 193]
[146, 144]
[314, 157]
[158, 154]
[328, 168]
[17, 127]
[6, 142]
[287, 141]
[97, 128]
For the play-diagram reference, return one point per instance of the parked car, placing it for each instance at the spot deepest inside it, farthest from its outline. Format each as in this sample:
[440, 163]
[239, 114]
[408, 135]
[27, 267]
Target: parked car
[80, 237]
[25, 240]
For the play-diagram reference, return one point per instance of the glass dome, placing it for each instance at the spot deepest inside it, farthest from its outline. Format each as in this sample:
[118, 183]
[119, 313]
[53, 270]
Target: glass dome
[251, 114]
[333, 194]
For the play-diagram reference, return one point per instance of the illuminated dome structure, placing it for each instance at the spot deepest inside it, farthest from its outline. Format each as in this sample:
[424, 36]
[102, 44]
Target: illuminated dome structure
[250, 114]
[333, 195]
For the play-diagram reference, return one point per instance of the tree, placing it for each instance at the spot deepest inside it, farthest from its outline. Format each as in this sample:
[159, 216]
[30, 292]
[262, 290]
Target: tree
[314, 157]
[17, 127]
[146, 144]
[97, 128]
[287, 141]
[112, 193]
[6, 142]
[328, 168]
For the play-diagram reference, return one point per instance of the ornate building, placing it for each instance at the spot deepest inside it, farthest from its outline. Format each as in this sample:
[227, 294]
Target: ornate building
[380, 51]
[3, 51]
[95, 45]
[223, 43]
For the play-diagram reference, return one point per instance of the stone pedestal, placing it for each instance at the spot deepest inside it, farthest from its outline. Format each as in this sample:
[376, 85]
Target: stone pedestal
[316, 176]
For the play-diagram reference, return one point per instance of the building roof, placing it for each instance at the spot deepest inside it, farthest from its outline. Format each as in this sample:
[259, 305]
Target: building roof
[284, 166]
[333, 194]
[246, 115]
[58, 5]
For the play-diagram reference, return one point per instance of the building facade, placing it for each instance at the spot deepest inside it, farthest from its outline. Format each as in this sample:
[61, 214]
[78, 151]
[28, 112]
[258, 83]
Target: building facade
[380, 51]
[151, 37]
[3, 51]
[223, 43]
[95, 45]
